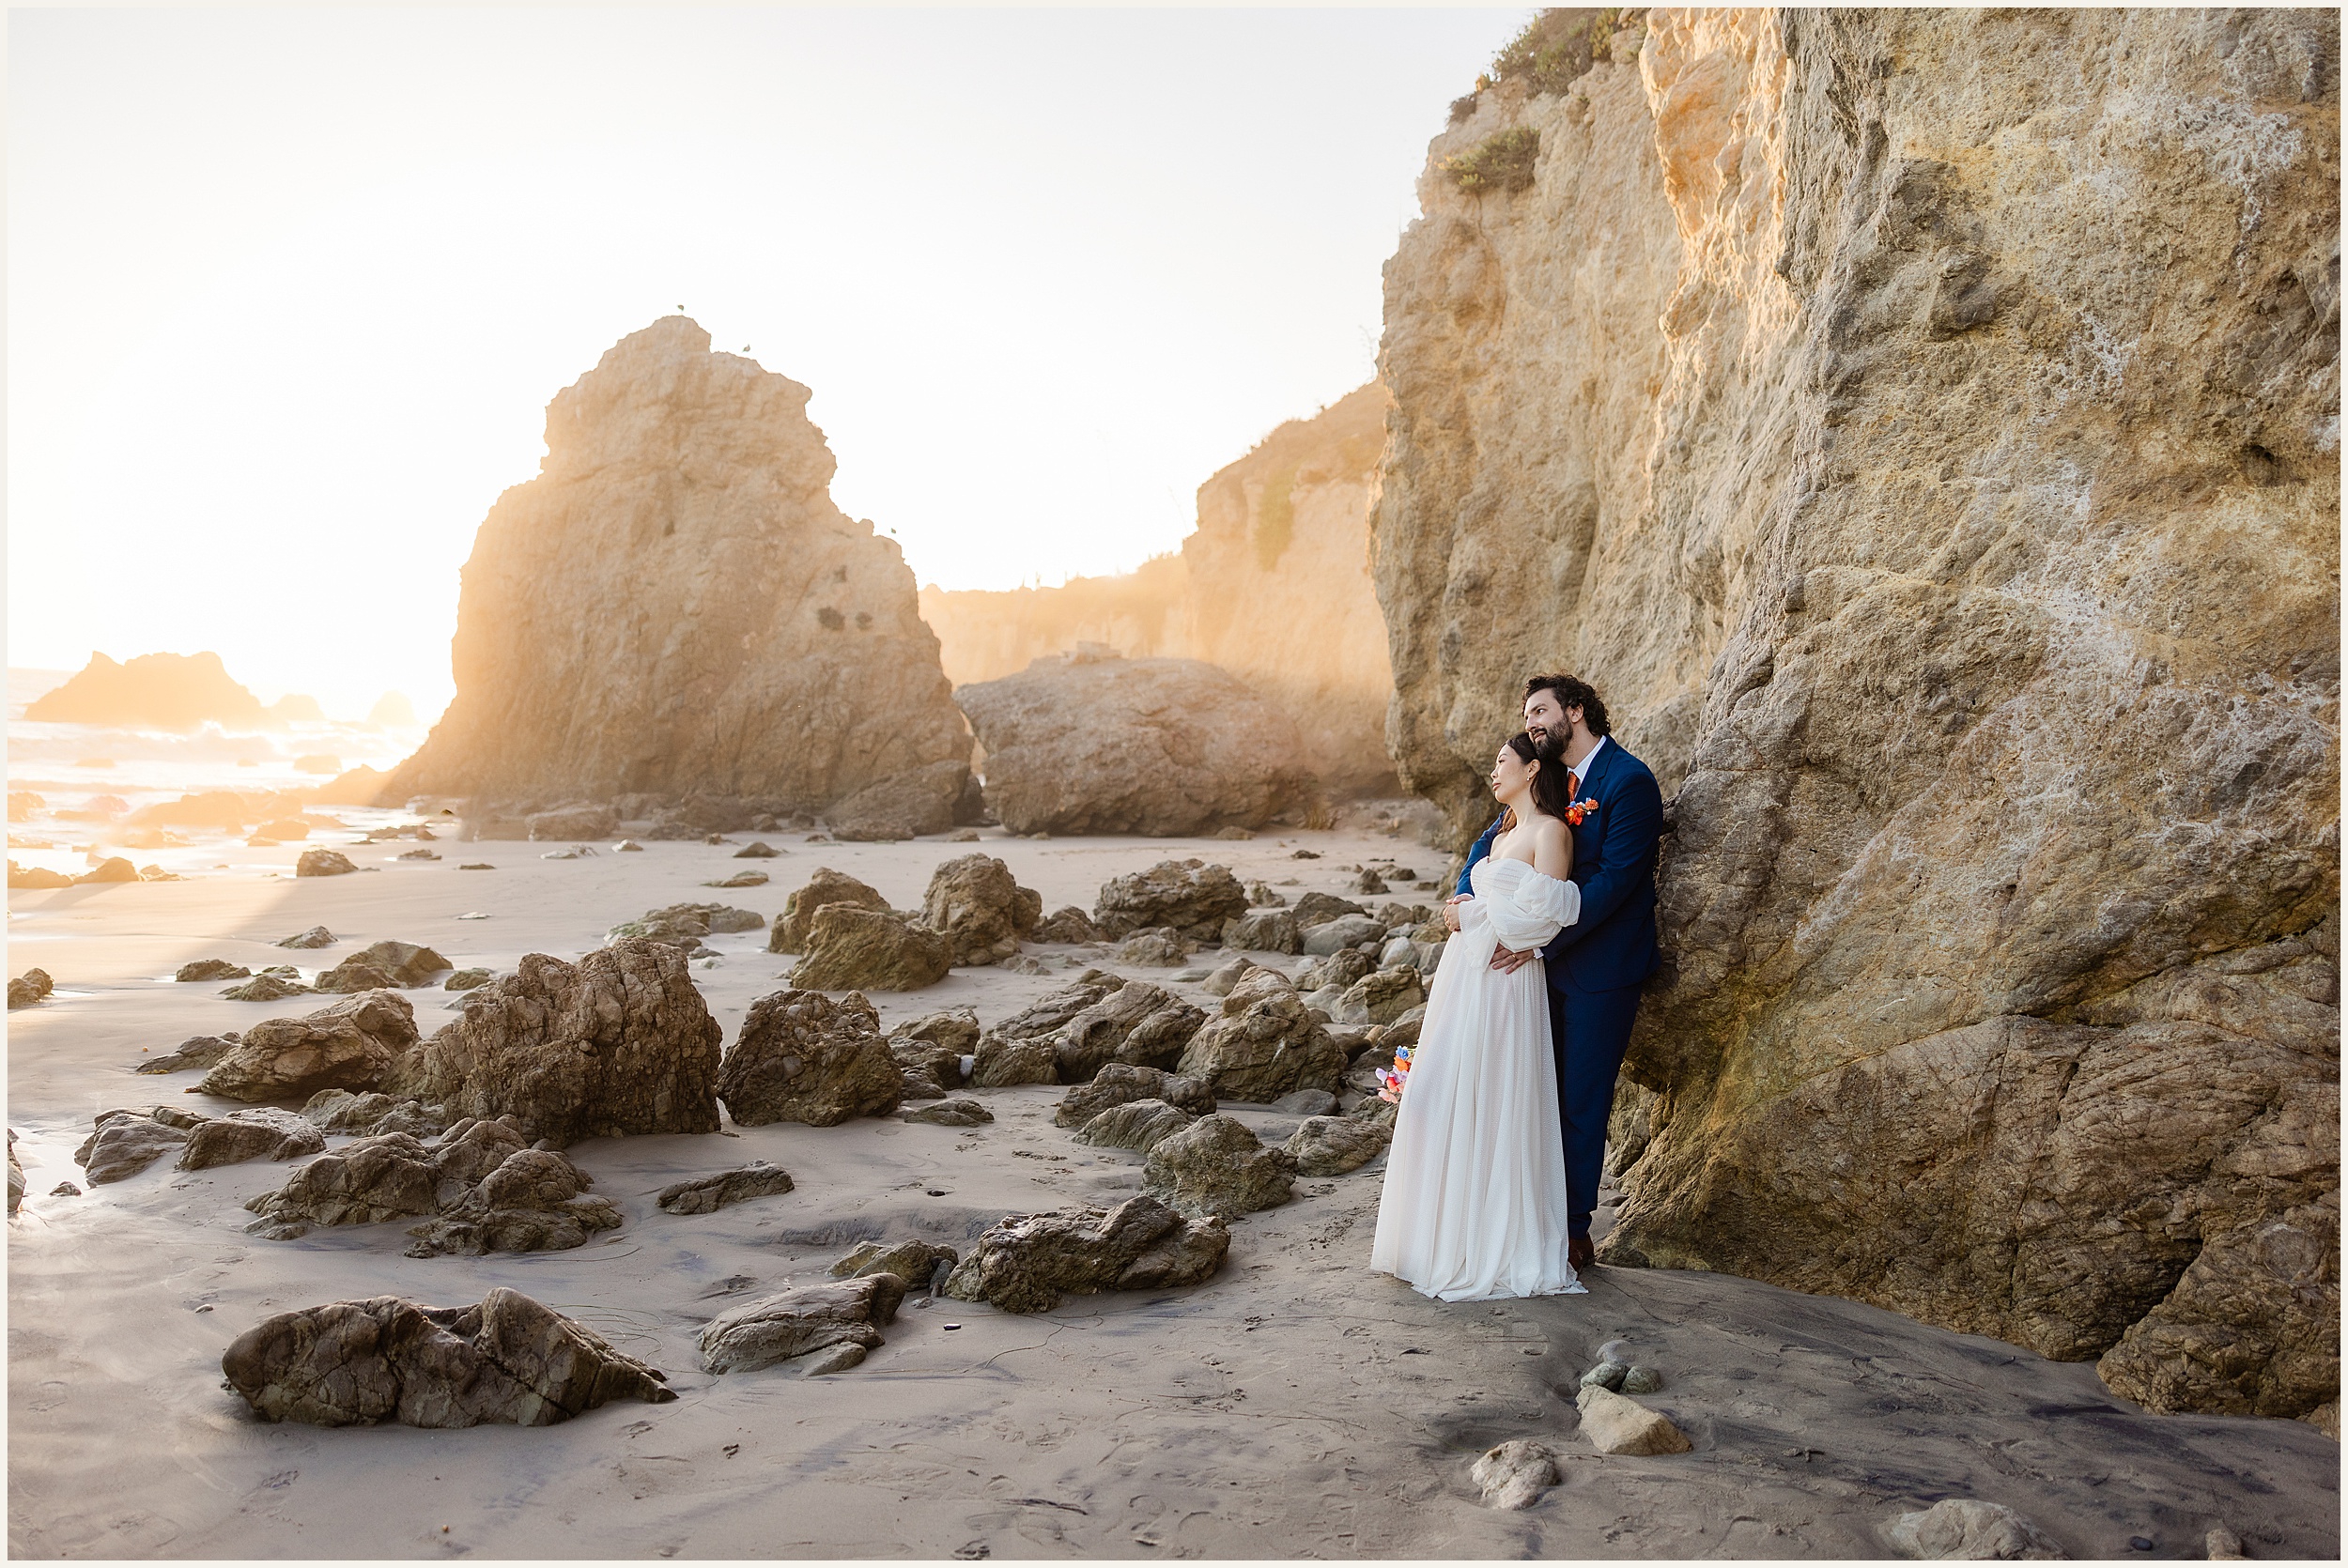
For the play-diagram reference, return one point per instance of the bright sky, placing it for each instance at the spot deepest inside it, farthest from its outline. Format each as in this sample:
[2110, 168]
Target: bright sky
[290, 289]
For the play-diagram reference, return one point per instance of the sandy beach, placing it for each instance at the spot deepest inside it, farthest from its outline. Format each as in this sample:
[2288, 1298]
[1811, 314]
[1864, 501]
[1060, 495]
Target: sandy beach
[1294, 1406]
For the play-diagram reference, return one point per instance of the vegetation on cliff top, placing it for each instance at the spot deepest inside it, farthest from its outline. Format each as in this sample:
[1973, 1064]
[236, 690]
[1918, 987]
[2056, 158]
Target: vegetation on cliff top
[1501, 161]
[1555, 50]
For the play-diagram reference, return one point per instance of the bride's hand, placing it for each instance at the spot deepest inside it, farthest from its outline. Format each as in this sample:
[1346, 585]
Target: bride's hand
[1507, 960]
[1451, 910]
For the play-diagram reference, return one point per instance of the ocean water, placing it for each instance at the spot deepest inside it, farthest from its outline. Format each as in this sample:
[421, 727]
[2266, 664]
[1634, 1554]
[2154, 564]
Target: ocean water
[92, 780]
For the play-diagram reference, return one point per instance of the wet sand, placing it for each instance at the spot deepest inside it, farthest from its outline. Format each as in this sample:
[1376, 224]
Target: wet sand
[1296, 1405]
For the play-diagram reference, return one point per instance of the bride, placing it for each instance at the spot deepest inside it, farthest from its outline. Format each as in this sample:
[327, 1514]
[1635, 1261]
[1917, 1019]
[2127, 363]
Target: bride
[1474, 1201]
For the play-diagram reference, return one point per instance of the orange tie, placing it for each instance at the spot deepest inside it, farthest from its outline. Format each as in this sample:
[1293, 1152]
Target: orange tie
[1573, 785]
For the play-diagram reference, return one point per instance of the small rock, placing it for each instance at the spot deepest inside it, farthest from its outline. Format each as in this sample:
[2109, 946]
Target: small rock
[478, 865]
[1217, 1168]
[316, 936]
[913, 1262]
[370, 1115]
[125, 1144]
[1616, 1424]
[1139, 1125]
[1966, 1528]
[1346, 930]
[1188, 976]
[1515, 1474]
[960, 836]
[709, 1193]
[467, 979]
[1307, 1103]
[1160, 946]
[740, 879]
[1028, 1263]
[628, 846]
[810, 1320]
[1369, 881]
[1069, 925]
[32, 986]
[1120, 1082]
[1642, 1379]
[508, 1359]
[266, 986]
[1606, 1374]
[67, 1190]
[212, 969]
[757, 850]
[1332, 1145]
[2220, 1545]
[417, 854]
[323, 863]
[952, 1113]
[1225, 979]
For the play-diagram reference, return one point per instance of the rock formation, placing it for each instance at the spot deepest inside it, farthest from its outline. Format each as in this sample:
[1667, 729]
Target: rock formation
[263, 1133]
[826, 886]
[1922, 427]
[1028, 1263]
[1139, 1125]
[1192, 897]
[852, 948]
[618, 1043]
[349, 1045]
[802, 1058]
[709, 1193]
[163, 691]
[1332, 1145]
[1273, 587]
[1215, 1166]
[674, 607]
[978, 906]
[1139, 1023]
[1089, 742]
[832, 1327]
[1263, 1043]
[1122, 1083]
[355, 1363]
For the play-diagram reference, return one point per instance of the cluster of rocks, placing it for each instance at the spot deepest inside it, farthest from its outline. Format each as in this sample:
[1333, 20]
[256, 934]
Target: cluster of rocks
[32, 986]
[849, 938]
[484, 1188]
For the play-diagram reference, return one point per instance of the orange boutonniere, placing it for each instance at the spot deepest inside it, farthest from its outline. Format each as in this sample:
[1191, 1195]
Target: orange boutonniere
[1577, 811]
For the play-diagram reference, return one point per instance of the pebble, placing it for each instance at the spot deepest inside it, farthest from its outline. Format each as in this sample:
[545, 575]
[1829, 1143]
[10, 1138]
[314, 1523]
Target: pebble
[1642, 1379]
[1606, 1374]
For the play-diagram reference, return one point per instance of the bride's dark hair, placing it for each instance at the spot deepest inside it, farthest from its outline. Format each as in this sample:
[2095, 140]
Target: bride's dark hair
[1548, 780]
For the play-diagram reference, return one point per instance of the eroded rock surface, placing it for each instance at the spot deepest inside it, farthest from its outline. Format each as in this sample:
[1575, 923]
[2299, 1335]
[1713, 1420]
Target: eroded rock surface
[1217, 1166]
[1263, 1043]
[913, 1262]
[355, 1363]
[124, 1143]
[707, 1195]
[1122, 1081]
[980, 908]
[1139, 1125]
[852, 948]
[1332, 1145]
[263, 1133]
[831, 1326]
[802, 1058]
[348, 1045]
[826, 886]
[618, 1043]
[929, 1050]
[1191, 896]
[1030, 1263]
[716, 608]
[1137, 1023]
[1946, 536]
[1087, 742]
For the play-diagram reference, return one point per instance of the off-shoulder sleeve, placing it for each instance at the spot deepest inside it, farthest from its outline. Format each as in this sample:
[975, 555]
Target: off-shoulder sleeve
[1534, 910]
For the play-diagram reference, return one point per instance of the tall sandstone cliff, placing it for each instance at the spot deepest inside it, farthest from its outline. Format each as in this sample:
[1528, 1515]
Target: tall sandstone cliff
[1922, 426]
[674, 608]
[1273, 586]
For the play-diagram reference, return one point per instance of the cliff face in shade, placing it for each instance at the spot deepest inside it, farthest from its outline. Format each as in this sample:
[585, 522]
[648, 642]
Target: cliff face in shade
[1272, 587]
[675, 607]
[1922, 428]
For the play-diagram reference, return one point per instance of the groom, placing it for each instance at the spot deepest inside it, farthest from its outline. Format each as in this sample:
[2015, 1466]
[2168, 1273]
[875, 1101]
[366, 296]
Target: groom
[1594, 966]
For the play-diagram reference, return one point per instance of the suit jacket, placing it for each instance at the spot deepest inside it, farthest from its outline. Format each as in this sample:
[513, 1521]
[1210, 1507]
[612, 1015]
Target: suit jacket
[1613, 944]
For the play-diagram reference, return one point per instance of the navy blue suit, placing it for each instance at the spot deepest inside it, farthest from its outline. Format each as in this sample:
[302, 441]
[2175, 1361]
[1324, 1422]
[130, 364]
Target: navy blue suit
[1597, 964]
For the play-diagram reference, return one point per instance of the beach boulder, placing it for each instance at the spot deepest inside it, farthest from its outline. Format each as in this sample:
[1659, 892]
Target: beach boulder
[803, 1058]
[913, 1262]
[929, 1050]
[952, 1113]
[566, 823]
[1139, 1125]
[1967, 1529]
[1381, 996]
[1217, 1166]
[904, 806]
[124, 1143]
[262, 1133]
[32, 986]
[531, 1201]
[348, 1045]
[323, 863]
[1332, 1145]
[1070, 925]
[356, 1363]
[1263, 930]
[1515, 1474]
[826, 886]
[1121, 1083]
[1263, 1043]
[1191, 896]
[1139, 1023]
[852, 948]
[980, 908]
[1030, 1263]
[1616, 1423]
[211, 969]
[828, 1327]
[709, 1193]
[618, 1043]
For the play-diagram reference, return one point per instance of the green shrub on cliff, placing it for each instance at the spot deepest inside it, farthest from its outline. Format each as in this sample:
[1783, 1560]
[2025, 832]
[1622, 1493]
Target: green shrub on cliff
[1501, 161]
[1560, 44]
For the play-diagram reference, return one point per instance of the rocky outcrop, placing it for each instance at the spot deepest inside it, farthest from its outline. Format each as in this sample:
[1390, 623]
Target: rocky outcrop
[673, 606]
[1332, 1145]
[1921, 427]
[707, 1195]
[124, 1143]
[159, 691]
[1273, 586]
[617, 1044]
[32, 986]
[1263, 1043]
[1139, 1125]
[978, 906]
[1028, 1263]
[929, 1050]
[1191, 896]
[263, 1133]
[323, 863]
[356, 1363]
[1215, 1166]
[826, 886]
[852, 948]
[802, 1058]
[829, 1327]
[1087, 742]
[349, 1045]
[382, 964]
[913, 1262]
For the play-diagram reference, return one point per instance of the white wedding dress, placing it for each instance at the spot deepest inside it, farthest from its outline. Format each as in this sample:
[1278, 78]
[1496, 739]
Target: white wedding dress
[1474, 1203]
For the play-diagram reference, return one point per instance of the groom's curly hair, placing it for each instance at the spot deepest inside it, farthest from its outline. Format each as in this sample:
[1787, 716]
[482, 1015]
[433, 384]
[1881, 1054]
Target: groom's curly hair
[1572, 693]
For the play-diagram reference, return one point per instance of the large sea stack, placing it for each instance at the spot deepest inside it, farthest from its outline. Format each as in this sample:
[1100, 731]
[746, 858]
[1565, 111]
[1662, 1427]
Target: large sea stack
[674, 608]
[1922, 426]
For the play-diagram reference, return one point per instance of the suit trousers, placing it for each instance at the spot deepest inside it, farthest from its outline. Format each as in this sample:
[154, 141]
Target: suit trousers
[1589, 1031]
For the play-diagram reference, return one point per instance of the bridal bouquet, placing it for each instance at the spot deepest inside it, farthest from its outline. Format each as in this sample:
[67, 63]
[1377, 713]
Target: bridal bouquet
[1390, 1080]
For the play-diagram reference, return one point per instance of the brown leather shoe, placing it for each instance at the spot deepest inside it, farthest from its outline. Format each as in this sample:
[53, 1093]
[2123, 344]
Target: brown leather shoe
[1580, 1252]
